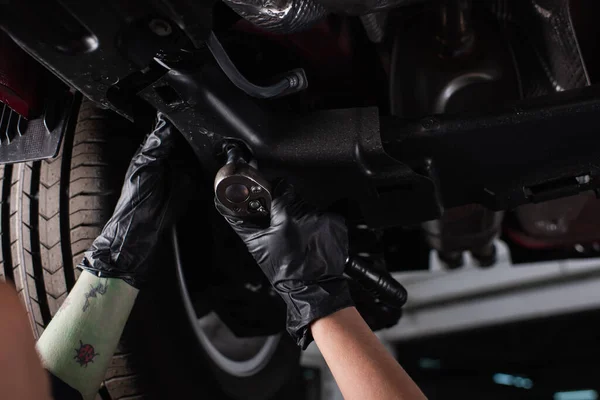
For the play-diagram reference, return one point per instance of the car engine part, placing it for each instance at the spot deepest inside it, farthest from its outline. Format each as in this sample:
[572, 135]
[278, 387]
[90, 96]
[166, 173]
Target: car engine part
[284, 16]
[561, 222]
[398, 158]
[460, 65]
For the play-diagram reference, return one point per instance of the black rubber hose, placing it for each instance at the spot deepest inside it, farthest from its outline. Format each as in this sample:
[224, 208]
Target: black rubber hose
[379, 283]
[292, 82]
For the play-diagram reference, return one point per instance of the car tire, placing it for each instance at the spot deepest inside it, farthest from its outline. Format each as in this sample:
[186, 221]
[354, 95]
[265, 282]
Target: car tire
[52, 210]
[254, 368]
[267, 383]
[177, 366]
[50, 213]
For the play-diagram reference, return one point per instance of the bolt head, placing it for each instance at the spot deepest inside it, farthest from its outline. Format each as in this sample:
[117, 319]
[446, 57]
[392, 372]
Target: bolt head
[160, 27]
[236, 193]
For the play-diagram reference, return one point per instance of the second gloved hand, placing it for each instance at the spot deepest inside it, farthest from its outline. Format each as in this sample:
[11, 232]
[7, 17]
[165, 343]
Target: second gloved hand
[303, 254]
[143, 210]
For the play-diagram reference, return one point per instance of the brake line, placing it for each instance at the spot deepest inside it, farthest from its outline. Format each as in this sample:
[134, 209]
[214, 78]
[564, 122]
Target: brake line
[292, 82]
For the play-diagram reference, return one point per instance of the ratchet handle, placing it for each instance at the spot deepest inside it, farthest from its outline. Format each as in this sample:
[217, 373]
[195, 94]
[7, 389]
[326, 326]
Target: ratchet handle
[241, 189]
[379, 283]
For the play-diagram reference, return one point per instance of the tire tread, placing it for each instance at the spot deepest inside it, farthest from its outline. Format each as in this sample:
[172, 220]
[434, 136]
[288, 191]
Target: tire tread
[40, 202]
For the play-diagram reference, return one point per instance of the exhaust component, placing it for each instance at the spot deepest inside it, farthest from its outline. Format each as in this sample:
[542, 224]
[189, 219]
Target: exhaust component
[287, 16]
[467, 228]
[280, 16]
[362, 7]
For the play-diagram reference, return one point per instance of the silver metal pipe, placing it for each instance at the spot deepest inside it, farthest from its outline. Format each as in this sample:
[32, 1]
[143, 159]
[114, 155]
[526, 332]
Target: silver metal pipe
[281, 16]
[362, 7]
[287, 16]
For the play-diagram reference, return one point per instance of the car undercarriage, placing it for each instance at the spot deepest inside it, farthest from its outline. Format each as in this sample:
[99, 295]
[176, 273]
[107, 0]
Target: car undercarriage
[430, 125]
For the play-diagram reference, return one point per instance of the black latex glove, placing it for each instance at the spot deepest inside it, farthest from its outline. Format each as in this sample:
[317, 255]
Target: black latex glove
[303, 253]
[143, 210]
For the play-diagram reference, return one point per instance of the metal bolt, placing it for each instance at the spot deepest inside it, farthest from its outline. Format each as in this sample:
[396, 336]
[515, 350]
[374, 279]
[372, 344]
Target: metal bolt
[253, 288]
[430, 123]
[293, 81]
[254, 204]
[236, 193]
[583, 179]
[256, 189]
[160, 27]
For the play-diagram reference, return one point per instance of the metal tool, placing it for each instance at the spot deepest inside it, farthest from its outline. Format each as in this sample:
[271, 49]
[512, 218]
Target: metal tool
[247, 194]
[240, 187]
[380, 284]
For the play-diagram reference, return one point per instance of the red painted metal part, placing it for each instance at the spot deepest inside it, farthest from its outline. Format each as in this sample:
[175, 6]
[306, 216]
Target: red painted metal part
[19, 78]
[570, 224]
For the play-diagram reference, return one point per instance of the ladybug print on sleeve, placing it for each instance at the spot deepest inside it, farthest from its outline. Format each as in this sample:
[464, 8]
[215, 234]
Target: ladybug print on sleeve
[85, 354]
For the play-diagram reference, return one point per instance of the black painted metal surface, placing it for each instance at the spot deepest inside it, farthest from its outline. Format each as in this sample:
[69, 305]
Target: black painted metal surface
[400, 171]
[544, 148]
[35, 139]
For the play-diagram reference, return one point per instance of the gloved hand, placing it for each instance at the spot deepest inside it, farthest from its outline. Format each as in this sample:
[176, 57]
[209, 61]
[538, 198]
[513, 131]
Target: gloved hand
[143, 210]
[303, 253]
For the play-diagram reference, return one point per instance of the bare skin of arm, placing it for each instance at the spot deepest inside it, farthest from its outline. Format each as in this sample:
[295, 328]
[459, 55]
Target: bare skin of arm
[361, 366]
[22, 374]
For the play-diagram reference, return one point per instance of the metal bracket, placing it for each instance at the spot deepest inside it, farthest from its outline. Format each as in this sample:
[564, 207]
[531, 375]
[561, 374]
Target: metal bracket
[35, 139]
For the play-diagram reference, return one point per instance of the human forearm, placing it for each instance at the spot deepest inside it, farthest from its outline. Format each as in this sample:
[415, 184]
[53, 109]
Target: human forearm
[362, 367]
[22, 376]
[79, 342]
